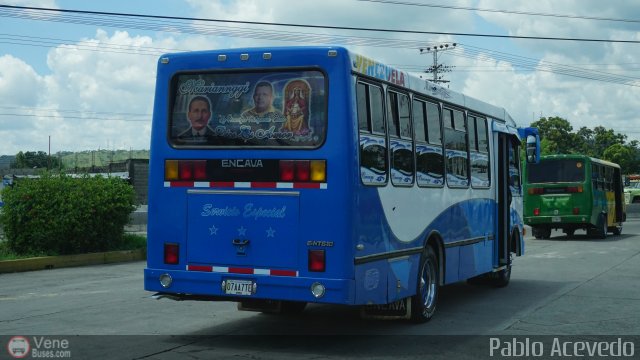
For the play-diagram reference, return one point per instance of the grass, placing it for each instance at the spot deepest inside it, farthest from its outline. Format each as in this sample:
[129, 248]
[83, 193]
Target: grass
[130, 242]
[7, 254]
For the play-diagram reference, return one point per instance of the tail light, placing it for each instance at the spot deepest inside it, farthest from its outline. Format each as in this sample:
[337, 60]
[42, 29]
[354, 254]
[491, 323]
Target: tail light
[317, 260]
[171, 253]
[192, 169]
[303, 170]
[185, 170]
[318, 170]
[536, 191]
[574, 189]
[199, 169]
[536, 211]
[287, 170]
[171, 170]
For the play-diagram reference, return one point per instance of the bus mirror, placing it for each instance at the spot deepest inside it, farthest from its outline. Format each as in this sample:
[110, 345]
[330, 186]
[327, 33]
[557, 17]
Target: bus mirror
[533, 151]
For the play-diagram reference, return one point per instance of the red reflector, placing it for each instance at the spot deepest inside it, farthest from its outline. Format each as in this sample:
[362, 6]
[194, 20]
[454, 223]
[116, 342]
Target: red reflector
[316, 260]
[287, 170]
[302, 170]
[576, 210]
[536, 211]
[200, 169]
[185, 169]
[171, 253]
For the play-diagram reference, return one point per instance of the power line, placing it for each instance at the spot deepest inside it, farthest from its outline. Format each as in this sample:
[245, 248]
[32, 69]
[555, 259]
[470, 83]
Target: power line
[26, 108]
[16, 39]
[529, 13]
[167, 28]
[73, 117]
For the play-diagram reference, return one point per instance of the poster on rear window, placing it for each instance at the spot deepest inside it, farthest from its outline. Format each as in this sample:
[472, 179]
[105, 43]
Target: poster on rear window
[257, 109]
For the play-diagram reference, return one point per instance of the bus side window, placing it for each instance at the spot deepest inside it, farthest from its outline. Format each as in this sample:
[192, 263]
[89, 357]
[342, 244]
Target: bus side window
[455, 136]
[429, 159]
[400, 139]
[479, 152]
[373, 146]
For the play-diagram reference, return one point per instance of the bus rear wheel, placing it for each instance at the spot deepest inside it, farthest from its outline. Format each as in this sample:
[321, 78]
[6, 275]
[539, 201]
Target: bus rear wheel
[423, 303]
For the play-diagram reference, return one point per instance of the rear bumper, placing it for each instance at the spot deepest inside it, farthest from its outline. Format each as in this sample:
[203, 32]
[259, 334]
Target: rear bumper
[573, 220]
[196, 285]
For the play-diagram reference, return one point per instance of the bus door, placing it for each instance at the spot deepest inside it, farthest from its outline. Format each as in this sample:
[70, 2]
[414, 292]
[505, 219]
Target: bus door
[504, 198]
[619, 196]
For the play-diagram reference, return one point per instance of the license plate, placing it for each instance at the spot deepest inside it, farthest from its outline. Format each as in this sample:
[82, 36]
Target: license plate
[555, 219]
[238, 287]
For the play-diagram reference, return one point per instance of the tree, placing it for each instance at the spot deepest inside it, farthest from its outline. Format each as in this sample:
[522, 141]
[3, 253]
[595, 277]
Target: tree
[558, 135]
[586, 141]
[621, 155]
[604, 138]
[32, 159]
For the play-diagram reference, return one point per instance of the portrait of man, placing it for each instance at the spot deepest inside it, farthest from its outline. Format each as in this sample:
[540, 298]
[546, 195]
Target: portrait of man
[198, 114]
[262, 113]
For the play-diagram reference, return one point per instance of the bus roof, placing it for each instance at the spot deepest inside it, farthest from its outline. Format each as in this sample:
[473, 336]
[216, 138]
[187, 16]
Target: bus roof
[369, 67]
[579, 156]
[372, 68]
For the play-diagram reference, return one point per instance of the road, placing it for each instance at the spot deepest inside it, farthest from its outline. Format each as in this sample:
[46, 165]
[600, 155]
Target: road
[562, 286]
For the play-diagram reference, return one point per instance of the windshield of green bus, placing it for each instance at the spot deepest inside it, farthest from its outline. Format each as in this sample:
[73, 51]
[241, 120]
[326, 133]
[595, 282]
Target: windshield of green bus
[248, 109]
[556, 171]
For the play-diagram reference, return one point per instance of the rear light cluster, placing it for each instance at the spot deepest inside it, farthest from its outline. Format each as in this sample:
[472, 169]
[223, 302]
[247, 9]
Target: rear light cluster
[272, 170]
[536, 191]
[568, 189]
[575, 211]
[171, 253]
[303, 170]
[317, 260]
[185, 169]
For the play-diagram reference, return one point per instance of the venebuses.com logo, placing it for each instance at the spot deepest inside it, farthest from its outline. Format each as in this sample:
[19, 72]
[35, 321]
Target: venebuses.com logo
[38, 347]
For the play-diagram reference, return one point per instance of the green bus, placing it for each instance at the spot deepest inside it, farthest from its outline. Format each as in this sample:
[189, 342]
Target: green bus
[570, 192]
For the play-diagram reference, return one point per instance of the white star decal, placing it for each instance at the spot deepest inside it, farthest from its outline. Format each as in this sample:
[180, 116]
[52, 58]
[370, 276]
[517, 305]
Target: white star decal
[270, 232]
[214, 230]
[242, 231]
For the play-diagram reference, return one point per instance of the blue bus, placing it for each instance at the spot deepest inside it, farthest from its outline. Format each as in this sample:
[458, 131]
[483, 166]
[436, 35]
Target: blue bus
[294, 175]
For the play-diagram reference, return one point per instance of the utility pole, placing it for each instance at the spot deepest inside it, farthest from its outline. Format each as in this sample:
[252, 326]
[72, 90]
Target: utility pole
[436, 68]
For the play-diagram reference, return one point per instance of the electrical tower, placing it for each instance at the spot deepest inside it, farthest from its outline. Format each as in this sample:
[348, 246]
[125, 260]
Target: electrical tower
[437, 69]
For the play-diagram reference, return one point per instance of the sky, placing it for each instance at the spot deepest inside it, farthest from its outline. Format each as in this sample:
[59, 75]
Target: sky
[73, 82]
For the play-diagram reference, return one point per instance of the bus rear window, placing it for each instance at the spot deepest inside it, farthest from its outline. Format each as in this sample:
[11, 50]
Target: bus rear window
[556, 171]
[254, 109]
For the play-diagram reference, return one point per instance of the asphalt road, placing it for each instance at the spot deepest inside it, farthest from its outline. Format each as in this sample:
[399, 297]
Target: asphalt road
[562, 286]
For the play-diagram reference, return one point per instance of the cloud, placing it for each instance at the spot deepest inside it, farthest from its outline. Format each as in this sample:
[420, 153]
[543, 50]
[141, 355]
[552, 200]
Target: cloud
[94, 88]
[20, 91]
[39, 3]
[97, 95]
